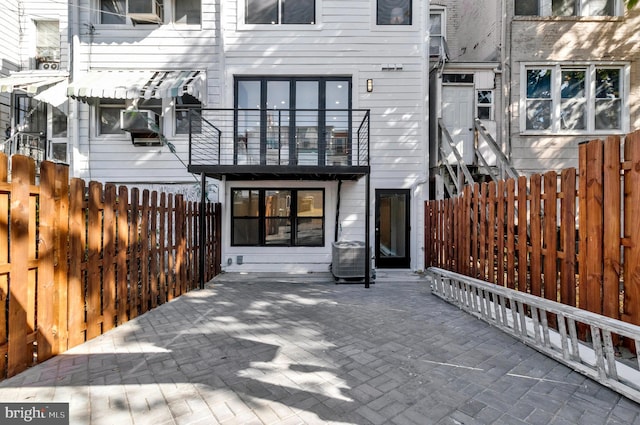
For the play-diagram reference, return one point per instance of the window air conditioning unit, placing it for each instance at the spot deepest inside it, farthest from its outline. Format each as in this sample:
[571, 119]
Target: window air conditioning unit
[145, 11]
[142, 125]
[49, 66]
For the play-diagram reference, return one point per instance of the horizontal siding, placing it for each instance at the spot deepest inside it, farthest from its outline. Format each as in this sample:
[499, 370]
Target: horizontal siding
[149, 47]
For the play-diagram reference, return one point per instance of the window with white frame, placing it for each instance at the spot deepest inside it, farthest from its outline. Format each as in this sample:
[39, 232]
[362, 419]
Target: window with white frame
[436, 32]
[574, 98]
[115, 12]
[47, 41]
[393, 12]
[188, 115]
[274, 12]
[187, 12]
[484, 104]
[569, 7]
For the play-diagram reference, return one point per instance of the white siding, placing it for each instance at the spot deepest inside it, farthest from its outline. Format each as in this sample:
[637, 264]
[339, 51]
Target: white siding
[145, 47]
[345, 42]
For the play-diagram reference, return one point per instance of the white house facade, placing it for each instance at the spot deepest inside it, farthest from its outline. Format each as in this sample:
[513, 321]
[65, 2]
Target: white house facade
[308, 121]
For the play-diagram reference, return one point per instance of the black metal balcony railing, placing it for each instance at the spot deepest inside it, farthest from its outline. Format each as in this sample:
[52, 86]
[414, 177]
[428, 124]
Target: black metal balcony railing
[296, 142]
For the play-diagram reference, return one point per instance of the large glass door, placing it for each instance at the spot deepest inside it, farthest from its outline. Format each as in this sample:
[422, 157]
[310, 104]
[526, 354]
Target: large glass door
[292, 120]
[392, 228]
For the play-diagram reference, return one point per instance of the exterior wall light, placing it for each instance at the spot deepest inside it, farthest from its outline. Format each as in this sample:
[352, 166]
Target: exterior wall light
[369, 85]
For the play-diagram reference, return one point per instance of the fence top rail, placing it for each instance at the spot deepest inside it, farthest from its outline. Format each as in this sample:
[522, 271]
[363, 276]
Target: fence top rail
[587, 317]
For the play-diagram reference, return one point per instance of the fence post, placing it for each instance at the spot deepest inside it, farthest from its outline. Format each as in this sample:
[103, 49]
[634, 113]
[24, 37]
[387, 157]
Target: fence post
[4, 260]
[523, 255]
[550, 237]
[109, 258]
[511, 233]
[46, 290]
[153, 256]
[162, 213]
[94, 241]
[122, 289]
[611, 237]
[77, 245]
[535, 229]
[19, 355]
[632, 229]
[591, 225]
[134, 256]
[568, 237]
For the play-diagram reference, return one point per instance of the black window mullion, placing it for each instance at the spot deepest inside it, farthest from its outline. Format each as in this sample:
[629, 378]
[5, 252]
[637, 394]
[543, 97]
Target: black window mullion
[262, 217]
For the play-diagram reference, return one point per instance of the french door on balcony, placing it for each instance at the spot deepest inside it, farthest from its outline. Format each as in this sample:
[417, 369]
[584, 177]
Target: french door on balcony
[292, 120]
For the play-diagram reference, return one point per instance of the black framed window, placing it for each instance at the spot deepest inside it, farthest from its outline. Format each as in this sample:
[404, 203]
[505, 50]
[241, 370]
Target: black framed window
[277, 217]
[393, 12]
[273, 12]
[293, 120]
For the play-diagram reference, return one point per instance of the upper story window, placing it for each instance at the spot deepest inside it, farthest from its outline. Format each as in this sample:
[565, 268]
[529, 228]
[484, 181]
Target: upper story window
[116, 12]
[47, 43]
[575, 99]
[113, 11]
[437, 32]
[187, 12]
[568, 7]
[275, 12]
[393, 12]
[484, 104]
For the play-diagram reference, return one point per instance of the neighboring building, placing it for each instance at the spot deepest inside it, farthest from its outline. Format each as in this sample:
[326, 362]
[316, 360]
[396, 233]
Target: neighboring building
[9, 55]
[574, 72]
[301, 107]
[33, 51]
[542, 76]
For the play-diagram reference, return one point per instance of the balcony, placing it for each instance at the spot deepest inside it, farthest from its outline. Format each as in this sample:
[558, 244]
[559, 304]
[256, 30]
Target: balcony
[289, 144]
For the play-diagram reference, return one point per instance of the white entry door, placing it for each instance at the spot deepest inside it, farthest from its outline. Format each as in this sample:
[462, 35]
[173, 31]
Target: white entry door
[457, 113]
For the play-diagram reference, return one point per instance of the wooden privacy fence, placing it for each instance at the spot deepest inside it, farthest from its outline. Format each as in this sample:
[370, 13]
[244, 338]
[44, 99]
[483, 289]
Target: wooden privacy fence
[77, 260]
[571, 237]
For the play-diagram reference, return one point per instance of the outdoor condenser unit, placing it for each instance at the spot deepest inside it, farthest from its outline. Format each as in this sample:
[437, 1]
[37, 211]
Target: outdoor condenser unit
[348, 260]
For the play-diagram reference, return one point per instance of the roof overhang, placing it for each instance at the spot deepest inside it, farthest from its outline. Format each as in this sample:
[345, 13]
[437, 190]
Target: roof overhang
[138, 84]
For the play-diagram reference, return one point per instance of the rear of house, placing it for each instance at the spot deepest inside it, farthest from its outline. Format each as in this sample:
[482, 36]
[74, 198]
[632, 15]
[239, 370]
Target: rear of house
[322, 112]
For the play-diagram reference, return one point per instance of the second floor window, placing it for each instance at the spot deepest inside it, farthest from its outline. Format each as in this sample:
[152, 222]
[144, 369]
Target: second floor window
[113, 11]
[393, 12]
[280, 12]
[436, 33]
[568, 7]
[574, 99]
[47, 41]
[187, 12]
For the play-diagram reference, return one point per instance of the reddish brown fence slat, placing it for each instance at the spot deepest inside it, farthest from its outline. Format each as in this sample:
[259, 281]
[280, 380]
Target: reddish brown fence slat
[5, 267]
[632, 229]
[19, 355]
[542, 218]
[75, 261]
[611, 229]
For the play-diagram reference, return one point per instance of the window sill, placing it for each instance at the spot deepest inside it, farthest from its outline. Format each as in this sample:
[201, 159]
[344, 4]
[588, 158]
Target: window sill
[569, 18]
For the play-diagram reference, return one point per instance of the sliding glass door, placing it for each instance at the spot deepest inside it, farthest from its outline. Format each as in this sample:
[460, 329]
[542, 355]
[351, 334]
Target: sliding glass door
[293, 120]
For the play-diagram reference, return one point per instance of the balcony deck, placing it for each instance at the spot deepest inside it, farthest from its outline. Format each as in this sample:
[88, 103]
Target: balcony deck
[255, 144]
